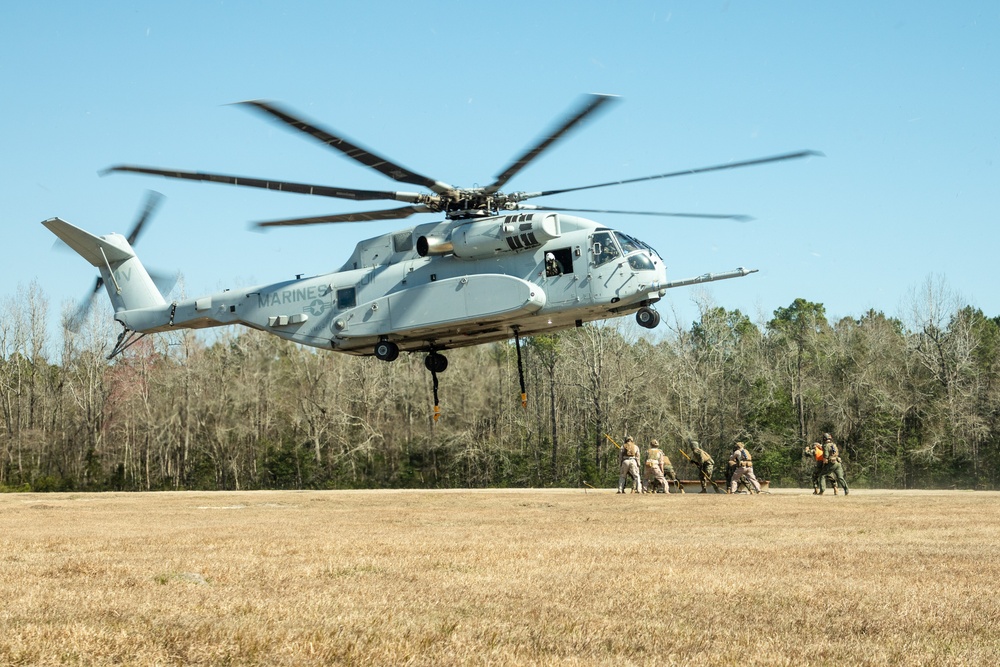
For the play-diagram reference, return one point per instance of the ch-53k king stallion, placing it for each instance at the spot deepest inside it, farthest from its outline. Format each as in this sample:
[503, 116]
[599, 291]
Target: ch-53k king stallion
[492, 269]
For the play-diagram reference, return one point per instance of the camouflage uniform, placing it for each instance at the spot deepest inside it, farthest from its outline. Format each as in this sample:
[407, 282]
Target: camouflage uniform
[815, 453]
[706, 466]
[832, 465]
[654, 468]
[741, 463]
[628, 464]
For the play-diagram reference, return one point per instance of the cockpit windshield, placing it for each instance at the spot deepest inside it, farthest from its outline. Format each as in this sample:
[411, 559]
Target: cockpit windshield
[610, 245]
[630, 244]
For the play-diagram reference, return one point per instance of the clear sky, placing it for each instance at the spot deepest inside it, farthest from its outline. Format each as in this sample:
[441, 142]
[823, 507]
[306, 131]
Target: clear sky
[902, 97]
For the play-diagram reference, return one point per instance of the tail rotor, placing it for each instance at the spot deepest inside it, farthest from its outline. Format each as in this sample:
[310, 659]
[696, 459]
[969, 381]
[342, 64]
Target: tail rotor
[163, 282]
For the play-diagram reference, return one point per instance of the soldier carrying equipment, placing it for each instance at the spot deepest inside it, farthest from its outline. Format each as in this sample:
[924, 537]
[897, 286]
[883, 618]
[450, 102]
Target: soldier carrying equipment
[705, 464]
[654, 468]
[741, 463]
[832, 465]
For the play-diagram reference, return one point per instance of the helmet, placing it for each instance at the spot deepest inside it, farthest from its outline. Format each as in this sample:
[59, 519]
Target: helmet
[693, 443]
[739, 445]
[549, 255]
[628, 438]
[654, 442]
[827, 437]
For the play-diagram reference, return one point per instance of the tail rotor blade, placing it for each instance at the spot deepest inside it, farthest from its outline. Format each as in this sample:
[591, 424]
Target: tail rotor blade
[164, 281]
[83, 310]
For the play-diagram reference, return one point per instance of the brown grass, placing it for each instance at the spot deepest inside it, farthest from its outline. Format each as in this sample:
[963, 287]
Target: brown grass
[499, 577]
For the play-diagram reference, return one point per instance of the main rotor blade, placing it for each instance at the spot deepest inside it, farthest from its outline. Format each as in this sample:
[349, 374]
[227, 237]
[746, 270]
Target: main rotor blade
[153, 200]
[712, 216]
[699, 170]
[283, 186]
[590, 104]
[388, 214]
[351, 150]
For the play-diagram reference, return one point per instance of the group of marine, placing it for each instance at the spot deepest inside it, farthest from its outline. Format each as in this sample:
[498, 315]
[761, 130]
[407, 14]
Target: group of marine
[659, 471]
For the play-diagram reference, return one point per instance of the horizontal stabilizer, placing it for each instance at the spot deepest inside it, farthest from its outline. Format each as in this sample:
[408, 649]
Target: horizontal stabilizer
[88, 246]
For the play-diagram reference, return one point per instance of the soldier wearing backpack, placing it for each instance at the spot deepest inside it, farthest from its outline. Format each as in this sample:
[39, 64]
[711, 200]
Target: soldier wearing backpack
[832, 465]
[741, 463]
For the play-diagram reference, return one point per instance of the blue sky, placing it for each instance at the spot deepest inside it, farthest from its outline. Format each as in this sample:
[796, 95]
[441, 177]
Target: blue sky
[902, 97]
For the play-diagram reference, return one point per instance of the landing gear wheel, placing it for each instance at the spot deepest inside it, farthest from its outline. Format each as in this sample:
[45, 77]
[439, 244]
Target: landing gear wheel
[386, 350]
[436, 363]
[647, 317]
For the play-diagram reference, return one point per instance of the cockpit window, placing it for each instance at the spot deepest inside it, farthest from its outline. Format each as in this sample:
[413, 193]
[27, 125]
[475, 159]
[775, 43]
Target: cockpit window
[604, 247]
[640, 262]
[629, 244]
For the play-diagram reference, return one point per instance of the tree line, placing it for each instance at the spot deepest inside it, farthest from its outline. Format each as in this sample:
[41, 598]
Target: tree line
[912, 405]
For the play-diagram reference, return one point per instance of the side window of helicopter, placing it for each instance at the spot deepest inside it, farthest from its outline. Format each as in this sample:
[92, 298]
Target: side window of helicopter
[347, 298]
[402, 241]
[558, 262]
[604, 248]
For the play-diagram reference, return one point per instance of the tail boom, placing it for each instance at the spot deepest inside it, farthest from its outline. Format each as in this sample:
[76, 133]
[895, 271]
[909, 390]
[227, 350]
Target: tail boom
[126, 279]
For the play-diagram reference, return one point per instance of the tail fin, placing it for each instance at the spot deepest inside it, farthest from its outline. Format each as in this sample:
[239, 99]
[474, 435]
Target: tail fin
[125, 278]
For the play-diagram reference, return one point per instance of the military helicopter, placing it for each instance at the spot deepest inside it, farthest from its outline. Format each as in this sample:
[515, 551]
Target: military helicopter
[492, 269]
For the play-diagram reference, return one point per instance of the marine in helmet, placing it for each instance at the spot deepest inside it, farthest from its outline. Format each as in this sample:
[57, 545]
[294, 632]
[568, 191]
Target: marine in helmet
[741, 463]
[652, 472]
[628, 465]
[814, 452]
[552, 265]
[832, 465]
[706, 466]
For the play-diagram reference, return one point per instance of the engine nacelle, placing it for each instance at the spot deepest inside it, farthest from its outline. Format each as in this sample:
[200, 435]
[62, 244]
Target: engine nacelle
[482, 239]
[433, 245]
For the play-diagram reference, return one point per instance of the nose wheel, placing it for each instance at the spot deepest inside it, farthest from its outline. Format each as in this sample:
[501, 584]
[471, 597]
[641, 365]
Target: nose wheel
[647, 317]
[386, 350]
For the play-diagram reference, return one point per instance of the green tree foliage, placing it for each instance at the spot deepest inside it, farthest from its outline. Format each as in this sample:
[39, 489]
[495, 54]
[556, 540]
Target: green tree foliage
[912, 404]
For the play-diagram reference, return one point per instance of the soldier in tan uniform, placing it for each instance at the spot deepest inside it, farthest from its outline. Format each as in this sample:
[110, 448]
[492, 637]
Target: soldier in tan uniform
[653, 470]
[628, 464]
[741, 463]
[671, 474]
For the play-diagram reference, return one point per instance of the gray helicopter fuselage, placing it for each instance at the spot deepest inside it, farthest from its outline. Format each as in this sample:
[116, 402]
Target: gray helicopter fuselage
[442, 285]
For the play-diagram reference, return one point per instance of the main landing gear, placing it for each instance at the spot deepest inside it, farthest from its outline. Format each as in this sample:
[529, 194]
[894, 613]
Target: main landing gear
[435, 362]
[647, 317]
[386, 350]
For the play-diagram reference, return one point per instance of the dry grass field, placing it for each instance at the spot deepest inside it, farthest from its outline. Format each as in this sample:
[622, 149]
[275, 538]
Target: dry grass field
[499, 577]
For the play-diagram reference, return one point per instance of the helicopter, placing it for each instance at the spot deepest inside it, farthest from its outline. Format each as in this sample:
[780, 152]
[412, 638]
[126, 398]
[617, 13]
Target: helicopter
[494, 268]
